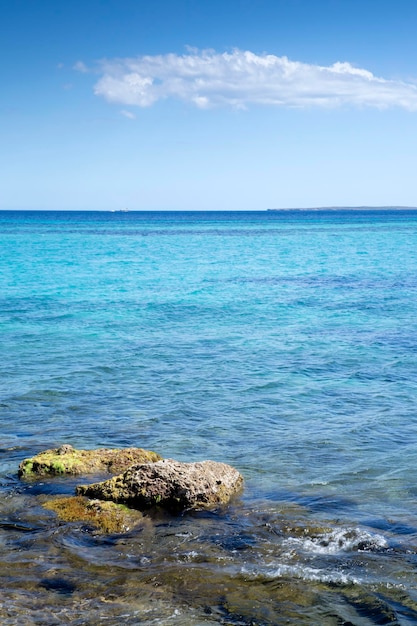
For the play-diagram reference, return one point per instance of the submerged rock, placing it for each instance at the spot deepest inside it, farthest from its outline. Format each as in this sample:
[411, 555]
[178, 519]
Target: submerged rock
[69, 460]
[106, 517]
[170, 484]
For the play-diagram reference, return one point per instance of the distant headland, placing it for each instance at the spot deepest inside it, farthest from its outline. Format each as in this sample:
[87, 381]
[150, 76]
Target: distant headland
[348, 208]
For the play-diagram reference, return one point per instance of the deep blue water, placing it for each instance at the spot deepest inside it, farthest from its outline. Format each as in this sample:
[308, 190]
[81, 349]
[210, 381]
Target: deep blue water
[283, 343]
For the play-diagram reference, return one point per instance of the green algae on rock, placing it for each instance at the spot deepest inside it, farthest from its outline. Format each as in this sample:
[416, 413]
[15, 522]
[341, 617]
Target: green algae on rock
[106, 517]
[170, 484]
[69, 460]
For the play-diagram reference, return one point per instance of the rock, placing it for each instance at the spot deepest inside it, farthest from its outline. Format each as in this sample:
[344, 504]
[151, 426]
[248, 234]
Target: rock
[106, 517]
[169, 484]
[68, 460]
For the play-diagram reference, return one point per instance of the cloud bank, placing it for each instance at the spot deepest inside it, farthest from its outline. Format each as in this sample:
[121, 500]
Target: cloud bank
[239, 79]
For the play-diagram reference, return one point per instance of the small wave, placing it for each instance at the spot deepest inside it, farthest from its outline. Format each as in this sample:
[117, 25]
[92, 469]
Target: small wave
[338, 540]
[313, 574]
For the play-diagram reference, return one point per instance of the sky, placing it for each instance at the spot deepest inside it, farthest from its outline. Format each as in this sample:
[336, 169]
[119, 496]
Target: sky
[207, 104]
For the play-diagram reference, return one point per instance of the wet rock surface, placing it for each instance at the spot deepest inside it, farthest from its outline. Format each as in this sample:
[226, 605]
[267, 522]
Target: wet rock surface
[69, 460]
[105, 517]
[170, 484]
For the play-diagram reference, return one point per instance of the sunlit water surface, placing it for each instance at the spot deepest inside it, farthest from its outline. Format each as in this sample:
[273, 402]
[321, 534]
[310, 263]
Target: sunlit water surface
[283, 343]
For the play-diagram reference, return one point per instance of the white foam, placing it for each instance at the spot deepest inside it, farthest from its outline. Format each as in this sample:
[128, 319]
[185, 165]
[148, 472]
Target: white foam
[338, 540]
[284, 570]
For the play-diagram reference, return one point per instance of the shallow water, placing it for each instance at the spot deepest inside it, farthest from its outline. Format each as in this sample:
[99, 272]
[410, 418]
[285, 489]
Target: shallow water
[282, 343]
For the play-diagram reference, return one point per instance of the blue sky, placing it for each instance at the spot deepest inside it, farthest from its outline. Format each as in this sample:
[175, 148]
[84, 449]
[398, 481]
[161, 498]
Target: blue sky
[168, 105]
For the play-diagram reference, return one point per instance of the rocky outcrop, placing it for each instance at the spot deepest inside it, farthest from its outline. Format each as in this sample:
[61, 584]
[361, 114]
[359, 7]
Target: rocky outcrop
[68, 460]
[169, 484]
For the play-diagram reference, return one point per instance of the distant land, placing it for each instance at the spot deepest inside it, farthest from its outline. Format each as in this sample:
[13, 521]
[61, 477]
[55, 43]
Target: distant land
[349, 208]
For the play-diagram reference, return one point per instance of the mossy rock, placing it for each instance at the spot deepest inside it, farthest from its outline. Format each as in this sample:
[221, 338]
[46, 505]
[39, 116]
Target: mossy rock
[106, 517]
[67, 460]
[170, 485]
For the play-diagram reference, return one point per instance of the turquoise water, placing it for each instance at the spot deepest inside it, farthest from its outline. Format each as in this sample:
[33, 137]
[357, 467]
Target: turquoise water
[283, 343]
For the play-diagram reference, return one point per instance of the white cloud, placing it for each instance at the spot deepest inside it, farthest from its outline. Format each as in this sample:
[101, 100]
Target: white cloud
[80, 66]
[238, 79]
[128, 114]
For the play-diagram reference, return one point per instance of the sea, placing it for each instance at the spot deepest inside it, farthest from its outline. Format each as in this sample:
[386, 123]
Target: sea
[283, 343]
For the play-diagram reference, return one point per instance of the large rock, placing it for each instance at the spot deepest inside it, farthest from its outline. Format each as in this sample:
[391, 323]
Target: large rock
[68, 460]
[170, 484]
